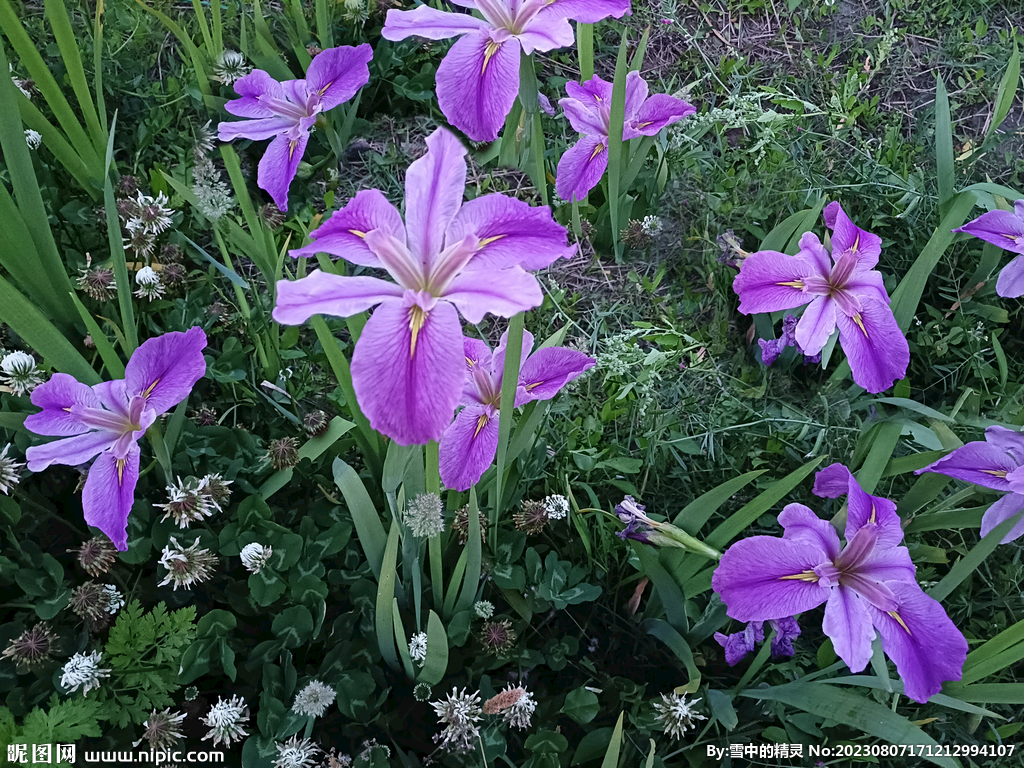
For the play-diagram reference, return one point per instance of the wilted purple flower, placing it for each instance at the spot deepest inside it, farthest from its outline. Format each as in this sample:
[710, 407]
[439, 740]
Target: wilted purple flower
[477, 82]
[996, 463]
[771, 349]
[589, 111]
[739, 644]
[1006, 230]
[408, 366]
[108, 419]
[846, 292]
[288, 110]
[640, 527]
[468, 445]
[867, 585]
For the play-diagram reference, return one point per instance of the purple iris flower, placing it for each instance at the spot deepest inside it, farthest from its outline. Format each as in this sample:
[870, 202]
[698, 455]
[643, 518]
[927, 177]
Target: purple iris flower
[846, 291]
[477, 82]
[288, 110]
[867, 586]
[107, 420]
[589, 111]
[408, 366]
[996, 463]
[739, 644]
[470, 442]
[1006, 230]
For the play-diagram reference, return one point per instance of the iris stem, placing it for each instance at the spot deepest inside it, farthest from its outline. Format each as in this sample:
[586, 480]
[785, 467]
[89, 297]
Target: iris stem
[585, 48]
[509, 383]
[528, 91]
[433, 483]
[160, 452]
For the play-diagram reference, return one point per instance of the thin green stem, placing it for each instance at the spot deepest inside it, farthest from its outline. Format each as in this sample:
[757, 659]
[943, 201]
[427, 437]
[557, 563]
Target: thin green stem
[509, 382]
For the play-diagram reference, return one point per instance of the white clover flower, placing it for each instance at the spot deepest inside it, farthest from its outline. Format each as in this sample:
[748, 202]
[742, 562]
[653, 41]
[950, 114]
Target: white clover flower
[230, 67]
[186, 567]
[188, 501]
[19, 372]
[151, 215]
[225, 720]
[149, 285]
[676, 714]
[115, 600]
[10, 471]
[425, 516]
[459, 713]
[484, 609]
[296, 753]
[314, 699]
[651, 225]
[32, 138]
[255, 556]
[521, 712]
[418, 647]
[83, 670]
[556, 506]
[205, 138]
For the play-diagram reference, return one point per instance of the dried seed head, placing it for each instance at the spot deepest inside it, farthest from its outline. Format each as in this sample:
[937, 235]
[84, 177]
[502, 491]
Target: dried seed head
[636, 235]
[283, 452]
[98, 283]
[96, 555]
[127, 186]
[316, 423]
[273, 216]
[421, 692]
[498, 637]
[172, 254]
[216, 487]
[10, 471]
[460, 524]
[89, 601]
[205, 416]
[162, 729]
[32, 648]
[532, 518]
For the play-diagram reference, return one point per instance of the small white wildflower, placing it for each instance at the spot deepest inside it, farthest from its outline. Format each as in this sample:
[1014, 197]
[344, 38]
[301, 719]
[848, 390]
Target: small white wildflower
[19, 372]
[484, 609]
[459, 713]
[556, 506]
[425, 516]
[296, 753]
[149, 285]
[368, 746]
[418, 647]
[205, 138]
[314, 699]
[229, 67]
[676, 714]
[212, 192]
[521, 712]
[19, 83]
[188, 502]
[255, 556]
[651, 225]
[186, 567]
[83, 670]
[115, 600]
[10, 471]
[151, 215]
[225, 720]
[32, 138]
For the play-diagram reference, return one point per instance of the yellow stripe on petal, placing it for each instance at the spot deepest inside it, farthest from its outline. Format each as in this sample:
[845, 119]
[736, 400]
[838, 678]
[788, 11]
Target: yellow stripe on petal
[323, 90]
[644, 125]
[417, 318]
[481, 422]
[856, 243]
[809, 576]
[899, 620]
[357, 233]
[489, 240]
[995, 472]
[799, 284]
[533, 386]
[291, 149]
[150, 388]
[120, 471]
[492, 48]
[873, 515]
[597, 151]
[860, 324]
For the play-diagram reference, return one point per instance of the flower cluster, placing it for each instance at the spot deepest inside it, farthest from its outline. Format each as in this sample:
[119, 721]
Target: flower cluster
[314, 699]
[459, 713]
[19, 372]
[226, 721]
[867, 586]
[187, 566]
[83, 671]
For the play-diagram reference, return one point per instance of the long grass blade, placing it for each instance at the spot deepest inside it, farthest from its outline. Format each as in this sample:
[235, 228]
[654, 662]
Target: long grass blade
[615, 148]
[944, 168]
[57, 13]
